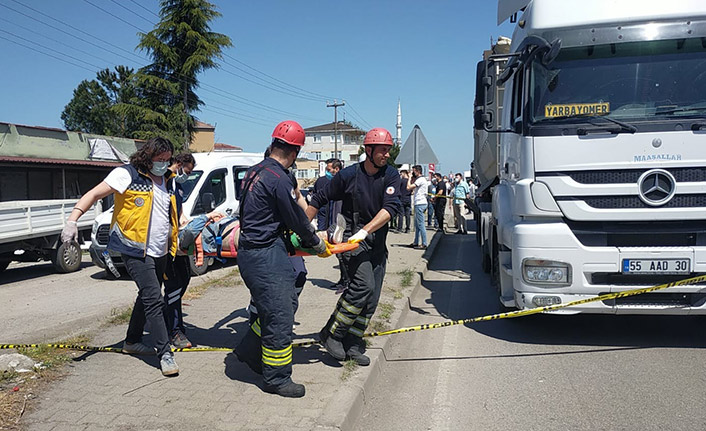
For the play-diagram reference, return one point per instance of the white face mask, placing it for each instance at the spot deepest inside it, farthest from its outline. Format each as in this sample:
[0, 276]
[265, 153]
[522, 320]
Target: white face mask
[181, 177]
[159, 168]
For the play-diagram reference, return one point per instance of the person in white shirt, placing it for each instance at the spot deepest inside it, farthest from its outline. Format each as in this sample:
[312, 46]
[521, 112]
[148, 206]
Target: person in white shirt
[420, 185]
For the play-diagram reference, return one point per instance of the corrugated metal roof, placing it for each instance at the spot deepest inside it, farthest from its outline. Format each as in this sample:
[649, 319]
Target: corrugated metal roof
[36, 160]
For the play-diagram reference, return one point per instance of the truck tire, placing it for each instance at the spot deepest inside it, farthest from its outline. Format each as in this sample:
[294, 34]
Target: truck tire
[199, 270]
[3, 265]
[66, 257]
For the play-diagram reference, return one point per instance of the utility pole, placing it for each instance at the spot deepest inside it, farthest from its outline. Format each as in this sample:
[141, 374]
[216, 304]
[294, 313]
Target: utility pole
[335, 106]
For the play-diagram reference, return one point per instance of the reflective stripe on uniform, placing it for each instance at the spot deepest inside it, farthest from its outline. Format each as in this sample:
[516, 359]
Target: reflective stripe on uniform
[277, 358]
[256, 327]
[362, 320]
[343, 319]
[355, 331]
[348, 306]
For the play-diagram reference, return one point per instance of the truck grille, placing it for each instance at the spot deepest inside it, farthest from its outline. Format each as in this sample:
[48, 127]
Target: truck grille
[634, 280]
[679, 201]
[659, 300]
[102, 234]
[624, 176]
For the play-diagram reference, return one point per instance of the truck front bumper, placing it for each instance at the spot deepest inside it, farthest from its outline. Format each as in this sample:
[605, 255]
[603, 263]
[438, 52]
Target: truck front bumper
[598, 270]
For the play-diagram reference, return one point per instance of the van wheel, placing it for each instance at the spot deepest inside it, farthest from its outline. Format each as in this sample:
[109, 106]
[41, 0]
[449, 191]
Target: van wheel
[66, 257]
[199, 270]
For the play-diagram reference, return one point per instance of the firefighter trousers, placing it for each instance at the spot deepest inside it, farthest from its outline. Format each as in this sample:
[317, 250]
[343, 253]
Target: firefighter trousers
[268, 274]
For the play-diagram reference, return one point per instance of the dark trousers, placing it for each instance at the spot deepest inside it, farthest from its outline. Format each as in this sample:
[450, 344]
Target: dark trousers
[355, 307]
[300, 274]
[439, 211]
[147, 272]
[176, 281]
[268, 274]
[405, 213]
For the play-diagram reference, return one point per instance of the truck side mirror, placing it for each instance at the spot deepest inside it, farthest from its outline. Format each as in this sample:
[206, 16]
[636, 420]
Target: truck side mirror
[208, 202]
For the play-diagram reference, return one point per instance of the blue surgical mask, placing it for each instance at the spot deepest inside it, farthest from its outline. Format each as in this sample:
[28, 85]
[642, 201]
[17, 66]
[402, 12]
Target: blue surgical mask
[181, 177]
[159, 168]
[329, 175]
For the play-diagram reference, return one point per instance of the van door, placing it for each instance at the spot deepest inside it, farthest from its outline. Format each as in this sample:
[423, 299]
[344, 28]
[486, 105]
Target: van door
[215, 184]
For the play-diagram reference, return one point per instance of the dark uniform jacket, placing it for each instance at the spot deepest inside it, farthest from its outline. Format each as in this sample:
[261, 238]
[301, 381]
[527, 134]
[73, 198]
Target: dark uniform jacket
[269, 207]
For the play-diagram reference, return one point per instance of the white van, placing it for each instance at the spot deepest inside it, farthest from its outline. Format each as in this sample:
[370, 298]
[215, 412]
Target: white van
[213, 184]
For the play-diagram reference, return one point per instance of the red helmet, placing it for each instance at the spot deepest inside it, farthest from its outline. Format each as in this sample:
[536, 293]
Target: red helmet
[290, 132]
[378, 136]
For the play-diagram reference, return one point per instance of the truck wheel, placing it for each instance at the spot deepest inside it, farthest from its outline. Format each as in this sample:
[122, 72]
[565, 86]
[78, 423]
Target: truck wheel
[67, 257]
[199, 270]
[4, 264]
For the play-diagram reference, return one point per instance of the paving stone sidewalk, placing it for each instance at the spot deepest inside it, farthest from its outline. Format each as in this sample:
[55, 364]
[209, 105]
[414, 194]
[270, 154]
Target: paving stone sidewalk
[214, 390]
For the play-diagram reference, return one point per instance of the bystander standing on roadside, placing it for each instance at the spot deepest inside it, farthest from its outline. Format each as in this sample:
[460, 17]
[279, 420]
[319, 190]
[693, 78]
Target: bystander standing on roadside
[420, 186]
[431, 190]
[461, 193]
[440, 201]
[405, 199]
[144, 230]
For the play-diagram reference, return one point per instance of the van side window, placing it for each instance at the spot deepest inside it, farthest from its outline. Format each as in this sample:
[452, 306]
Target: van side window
[238, 175]
[216, 185]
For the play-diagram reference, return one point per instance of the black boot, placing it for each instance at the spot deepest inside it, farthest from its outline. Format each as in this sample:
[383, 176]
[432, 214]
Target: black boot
[355, 346]
[290, 390]
[249, 351]
[333, 346]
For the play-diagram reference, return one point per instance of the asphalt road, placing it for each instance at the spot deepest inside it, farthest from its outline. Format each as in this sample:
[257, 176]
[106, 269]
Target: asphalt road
[583, 372]
[40, 305]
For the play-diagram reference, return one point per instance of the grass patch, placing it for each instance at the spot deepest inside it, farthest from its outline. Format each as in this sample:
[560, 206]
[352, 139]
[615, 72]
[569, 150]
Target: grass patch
[229, 280]
[386, 310]
[407, 276]
[348, 368]
[51, 357]
[378, 325]
[120, 316]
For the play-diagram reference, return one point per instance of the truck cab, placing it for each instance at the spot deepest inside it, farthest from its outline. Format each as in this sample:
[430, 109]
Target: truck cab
[600, 157]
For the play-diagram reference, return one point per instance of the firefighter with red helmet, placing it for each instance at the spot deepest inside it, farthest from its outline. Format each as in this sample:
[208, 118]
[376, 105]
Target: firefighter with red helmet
[268, 210]
[371, 197]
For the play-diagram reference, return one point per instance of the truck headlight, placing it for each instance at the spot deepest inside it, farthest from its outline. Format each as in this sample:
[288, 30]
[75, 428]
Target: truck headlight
[546, 272]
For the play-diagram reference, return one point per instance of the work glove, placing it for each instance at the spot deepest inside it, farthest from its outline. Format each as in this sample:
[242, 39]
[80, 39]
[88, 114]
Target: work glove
[323, 249]
[314, 225]
[70, 231]
[358, 237]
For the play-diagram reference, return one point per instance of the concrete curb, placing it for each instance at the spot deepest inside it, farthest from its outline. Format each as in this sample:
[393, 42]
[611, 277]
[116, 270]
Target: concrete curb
[343, 411]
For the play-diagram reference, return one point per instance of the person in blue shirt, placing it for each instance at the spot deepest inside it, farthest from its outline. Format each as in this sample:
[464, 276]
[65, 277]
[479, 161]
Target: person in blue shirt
[370, 194]
[268, 210]
[460, 194]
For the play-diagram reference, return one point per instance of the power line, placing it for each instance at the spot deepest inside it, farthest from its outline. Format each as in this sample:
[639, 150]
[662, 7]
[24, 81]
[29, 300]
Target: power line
[148, 10]
[115, 16]
[132, 11]
[368, 125]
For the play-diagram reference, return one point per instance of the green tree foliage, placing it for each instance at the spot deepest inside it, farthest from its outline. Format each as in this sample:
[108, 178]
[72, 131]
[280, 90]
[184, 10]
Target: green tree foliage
[394, 152]
[89, 109]
[95, 106]
[181, 46]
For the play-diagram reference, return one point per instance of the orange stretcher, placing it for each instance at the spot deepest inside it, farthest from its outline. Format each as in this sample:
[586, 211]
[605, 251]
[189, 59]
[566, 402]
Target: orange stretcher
[231, 252]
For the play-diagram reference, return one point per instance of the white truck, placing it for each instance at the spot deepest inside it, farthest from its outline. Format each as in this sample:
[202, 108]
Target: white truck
[599, 153]
[30, 231]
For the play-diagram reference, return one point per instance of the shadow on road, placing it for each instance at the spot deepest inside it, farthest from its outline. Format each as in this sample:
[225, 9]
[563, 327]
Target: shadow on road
[18, 272]
[480, 299]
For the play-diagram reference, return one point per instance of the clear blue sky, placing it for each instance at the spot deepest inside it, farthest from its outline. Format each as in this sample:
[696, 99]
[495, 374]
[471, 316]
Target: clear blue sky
[368, 52]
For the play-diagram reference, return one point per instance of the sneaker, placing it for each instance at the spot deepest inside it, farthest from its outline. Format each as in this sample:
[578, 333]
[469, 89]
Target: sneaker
[290, 390]
[168, 365]
[138, 349]
[420, 247]
[337, 235]
[413, 245]
[180, 341]
[333, 347]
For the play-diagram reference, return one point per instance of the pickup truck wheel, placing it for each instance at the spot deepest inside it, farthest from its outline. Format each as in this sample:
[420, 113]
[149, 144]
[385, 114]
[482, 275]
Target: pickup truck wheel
[67, 257]
[4, 264]
[199, 270]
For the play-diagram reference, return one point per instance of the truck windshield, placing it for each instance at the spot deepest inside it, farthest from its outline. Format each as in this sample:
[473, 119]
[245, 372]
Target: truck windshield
[631, 82]
[190, 183]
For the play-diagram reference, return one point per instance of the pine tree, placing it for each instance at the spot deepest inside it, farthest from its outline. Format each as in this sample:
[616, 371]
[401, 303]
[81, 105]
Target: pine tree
[181, 46]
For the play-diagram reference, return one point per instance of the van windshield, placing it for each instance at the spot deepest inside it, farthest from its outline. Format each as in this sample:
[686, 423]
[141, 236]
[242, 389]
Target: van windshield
[633, 82]
[190, 183]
